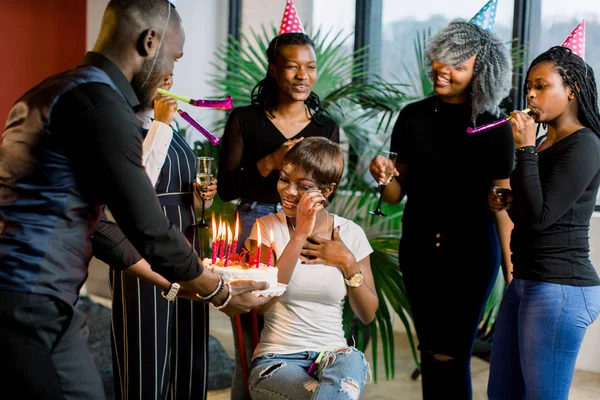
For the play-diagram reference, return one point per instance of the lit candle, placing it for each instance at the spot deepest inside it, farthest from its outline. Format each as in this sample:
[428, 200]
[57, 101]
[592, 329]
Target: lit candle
[228, 251]
[223, 232]
[237, 230]
[258, 248]
[270, 255]
[215, 242]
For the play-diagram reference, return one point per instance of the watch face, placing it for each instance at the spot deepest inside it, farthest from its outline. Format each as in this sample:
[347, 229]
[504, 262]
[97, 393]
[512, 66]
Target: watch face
[355, 280]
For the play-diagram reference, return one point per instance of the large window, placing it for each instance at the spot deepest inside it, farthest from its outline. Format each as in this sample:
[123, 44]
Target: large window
[404, 21]
[337, 16]
[559, 21]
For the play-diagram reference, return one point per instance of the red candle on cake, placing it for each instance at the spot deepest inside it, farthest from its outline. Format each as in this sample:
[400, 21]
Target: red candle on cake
[215, 240]
[228, 250]
[270, 255]
[222, 240]
[259, 245]
[237, 230]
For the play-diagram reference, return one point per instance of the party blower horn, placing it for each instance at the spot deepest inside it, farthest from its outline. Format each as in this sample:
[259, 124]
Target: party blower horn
[492, 124]
[225, 104]
[211, 138]
[313, 367]
[218, 104]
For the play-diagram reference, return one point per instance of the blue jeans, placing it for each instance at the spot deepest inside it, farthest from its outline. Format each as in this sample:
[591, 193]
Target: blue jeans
[537, 337]
[341, 374]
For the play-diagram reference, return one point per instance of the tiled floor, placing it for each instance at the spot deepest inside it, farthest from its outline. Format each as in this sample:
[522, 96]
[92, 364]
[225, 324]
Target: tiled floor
[586, 386]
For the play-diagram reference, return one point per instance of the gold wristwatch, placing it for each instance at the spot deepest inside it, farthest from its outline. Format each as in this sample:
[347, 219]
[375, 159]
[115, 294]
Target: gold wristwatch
[355, 280]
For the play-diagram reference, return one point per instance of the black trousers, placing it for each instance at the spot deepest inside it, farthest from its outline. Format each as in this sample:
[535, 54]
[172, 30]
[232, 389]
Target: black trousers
[44, 351]
[448, 274]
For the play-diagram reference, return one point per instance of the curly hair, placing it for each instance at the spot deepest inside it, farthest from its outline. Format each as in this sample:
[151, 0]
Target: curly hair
[579, 76]
[492, 74]
[266, 92]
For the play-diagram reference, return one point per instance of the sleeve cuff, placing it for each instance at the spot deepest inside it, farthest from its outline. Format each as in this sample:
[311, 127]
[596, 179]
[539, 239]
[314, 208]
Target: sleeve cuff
[110, 245]
[155, 147]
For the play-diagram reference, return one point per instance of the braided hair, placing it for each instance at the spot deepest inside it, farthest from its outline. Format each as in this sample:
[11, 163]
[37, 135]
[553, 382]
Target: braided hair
[579, 76]
[266, 92]
[492, 73]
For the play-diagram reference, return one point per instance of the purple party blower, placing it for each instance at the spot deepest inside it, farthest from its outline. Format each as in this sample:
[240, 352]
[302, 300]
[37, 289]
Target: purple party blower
[225, 104]
[491, 125]
[211, 138]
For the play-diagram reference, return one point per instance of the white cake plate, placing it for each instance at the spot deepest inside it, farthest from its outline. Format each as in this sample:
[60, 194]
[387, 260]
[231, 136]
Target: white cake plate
[272, 291]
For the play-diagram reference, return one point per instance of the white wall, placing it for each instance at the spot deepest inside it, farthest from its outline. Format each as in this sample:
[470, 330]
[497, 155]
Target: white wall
[205, 24]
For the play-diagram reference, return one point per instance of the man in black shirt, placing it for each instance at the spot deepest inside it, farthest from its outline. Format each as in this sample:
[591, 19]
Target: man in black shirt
[71, 145]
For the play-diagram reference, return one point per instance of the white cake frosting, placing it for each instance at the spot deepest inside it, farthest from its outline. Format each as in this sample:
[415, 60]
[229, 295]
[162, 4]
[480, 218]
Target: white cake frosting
[236, 272]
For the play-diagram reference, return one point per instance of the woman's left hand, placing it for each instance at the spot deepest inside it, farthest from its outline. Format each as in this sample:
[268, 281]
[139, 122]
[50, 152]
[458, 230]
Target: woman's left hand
[523, 129]
[331, 252]
[205, 192]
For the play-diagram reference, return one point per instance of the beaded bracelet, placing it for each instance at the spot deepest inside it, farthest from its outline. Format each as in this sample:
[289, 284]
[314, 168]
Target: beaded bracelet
[526, 150]
[215, 293]
[229, 296]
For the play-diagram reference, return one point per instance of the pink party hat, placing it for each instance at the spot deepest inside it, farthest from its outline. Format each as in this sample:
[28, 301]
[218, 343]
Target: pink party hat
[576, 40]
[290, 22]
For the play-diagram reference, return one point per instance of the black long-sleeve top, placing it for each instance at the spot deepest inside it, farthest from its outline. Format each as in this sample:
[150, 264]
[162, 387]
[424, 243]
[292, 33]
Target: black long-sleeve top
[101, 136]
[449, 172]
[250, 136]
[554, 198]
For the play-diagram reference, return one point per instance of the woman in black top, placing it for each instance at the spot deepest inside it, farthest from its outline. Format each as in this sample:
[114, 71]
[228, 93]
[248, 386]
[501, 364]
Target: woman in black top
[555, 293]
[450, 247]
[284, 110]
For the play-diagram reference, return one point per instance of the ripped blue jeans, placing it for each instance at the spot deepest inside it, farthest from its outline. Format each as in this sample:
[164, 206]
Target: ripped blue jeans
[341, 374]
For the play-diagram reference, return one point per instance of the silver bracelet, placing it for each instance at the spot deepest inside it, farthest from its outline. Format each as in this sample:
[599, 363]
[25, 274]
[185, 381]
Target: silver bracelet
[215, 293]
[229, 296]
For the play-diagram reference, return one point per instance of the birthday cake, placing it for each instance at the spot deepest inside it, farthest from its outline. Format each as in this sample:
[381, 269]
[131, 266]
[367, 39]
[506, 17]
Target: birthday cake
[237, 271]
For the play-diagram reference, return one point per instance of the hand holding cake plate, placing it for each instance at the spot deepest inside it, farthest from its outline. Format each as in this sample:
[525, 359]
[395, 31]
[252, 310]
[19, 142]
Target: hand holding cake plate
[236, 271]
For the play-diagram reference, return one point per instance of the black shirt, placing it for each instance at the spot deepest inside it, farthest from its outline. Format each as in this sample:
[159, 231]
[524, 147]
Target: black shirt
[554, 197]
[249, 136]
[449, 172]
[101, 136]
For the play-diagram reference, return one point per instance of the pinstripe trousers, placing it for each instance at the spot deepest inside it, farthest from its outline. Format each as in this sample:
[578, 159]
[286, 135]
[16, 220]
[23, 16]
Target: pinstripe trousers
[160, 348]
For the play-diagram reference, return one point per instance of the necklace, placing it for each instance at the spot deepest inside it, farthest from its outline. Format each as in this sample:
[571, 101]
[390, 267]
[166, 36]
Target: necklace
[326, 226]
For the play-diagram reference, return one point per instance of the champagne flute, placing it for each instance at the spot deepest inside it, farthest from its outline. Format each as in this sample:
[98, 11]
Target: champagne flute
[390, 157]
[204, 174]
